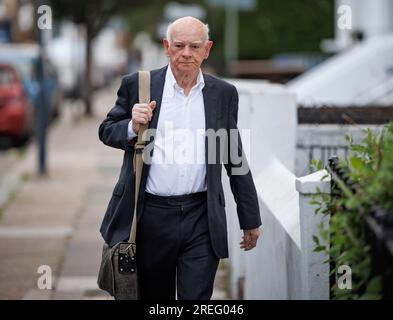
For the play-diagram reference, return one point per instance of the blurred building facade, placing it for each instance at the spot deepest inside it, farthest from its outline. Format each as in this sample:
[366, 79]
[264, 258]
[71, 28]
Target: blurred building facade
[353, 87]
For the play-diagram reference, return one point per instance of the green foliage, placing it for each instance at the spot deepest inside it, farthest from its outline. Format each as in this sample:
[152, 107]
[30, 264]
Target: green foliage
[316, 165]
[367, 183]
[273, 27]
[145, 18]
[285, 26]
[94, 14]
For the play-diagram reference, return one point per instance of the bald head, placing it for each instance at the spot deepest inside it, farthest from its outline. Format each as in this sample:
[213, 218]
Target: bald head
[187, 45]
[189, 25]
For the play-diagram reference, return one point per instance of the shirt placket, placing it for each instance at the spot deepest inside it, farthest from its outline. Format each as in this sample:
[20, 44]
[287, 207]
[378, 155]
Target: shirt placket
[182, 168]
[187, 113]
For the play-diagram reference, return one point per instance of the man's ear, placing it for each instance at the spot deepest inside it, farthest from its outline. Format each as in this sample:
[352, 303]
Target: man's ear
[165, 43]
[209, 45]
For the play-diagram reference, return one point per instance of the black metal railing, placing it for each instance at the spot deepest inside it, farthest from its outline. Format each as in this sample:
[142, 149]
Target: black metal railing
[322, 152]
[378, 228]
[337, 172]
[379, 232]
[328, 114]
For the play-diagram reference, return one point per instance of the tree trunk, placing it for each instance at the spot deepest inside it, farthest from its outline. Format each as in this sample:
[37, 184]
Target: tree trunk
[87, 82]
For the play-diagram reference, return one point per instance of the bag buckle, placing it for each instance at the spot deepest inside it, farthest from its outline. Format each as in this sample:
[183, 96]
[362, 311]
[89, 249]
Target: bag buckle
[127, 258]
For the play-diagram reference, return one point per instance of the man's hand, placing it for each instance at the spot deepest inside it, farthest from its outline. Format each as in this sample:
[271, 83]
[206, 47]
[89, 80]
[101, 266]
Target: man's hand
[141, 114]
[250, 239]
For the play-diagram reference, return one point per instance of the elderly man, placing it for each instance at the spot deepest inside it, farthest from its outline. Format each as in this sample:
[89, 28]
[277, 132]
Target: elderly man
[181, 229]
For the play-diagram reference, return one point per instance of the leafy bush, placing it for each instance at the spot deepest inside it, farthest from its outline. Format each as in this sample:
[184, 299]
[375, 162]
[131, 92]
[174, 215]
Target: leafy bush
[365, 183]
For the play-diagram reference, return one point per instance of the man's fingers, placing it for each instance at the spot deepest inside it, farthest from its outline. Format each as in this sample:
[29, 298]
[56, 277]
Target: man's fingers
[254, 237]
[143, 112]
[152, 105]
[247, 237]
[249, 241]
[248, 246]
[145, 116]
[140, 119]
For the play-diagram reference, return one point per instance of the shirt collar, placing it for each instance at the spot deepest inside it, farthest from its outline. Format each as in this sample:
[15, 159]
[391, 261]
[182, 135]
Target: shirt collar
[172, 85]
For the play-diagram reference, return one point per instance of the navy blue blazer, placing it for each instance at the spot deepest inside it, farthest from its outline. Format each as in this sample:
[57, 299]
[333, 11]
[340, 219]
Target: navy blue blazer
[221, 110]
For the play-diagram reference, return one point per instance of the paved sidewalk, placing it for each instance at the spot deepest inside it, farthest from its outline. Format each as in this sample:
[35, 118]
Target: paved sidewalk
[54, 220]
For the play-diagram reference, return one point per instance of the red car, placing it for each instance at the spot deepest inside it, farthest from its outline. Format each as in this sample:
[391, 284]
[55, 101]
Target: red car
[16, 116]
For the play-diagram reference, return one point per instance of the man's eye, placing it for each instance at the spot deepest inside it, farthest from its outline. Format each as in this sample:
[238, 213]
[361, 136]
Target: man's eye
[178, 45]
[195, 47]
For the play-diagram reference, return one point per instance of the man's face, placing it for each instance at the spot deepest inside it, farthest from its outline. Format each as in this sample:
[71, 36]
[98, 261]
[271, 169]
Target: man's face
[188, 48]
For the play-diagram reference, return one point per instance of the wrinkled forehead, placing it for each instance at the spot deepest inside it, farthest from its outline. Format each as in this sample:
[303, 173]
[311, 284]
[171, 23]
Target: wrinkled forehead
[188, 32]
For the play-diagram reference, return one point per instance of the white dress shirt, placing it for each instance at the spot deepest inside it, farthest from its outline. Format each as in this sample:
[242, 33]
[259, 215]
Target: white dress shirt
[178, 163]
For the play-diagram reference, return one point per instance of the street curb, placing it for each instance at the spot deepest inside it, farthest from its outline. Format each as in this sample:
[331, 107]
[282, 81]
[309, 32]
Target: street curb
[11, 181]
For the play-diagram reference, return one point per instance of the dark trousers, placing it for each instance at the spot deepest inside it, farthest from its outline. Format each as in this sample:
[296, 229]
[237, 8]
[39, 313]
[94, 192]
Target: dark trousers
[174, 252]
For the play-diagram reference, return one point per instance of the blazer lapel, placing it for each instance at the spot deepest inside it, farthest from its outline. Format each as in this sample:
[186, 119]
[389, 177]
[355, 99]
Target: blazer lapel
[210, 103]
[210, 99]
[157, 89]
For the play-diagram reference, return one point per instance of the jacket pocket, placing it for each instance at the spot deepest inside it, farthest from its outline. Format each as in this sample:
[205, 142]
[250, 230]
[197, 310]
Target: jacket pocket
[119, 189]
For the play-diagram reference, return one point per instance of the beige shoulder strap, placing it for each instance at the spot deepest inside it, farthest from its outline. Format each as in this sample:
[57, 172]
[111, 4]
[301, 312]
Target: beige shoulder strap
[144, 97]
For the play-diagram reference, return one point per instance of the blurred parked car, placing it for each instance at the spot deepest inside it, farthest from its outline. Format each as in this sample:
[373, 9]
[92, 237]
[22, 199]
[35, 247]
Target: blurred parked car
[16, 115]
[25, 58]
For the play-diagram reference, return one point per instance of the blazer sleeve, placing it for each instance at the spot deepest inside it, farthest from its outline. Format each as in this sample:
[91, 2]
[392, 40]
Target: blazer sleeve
[113, 130]
[240, 177]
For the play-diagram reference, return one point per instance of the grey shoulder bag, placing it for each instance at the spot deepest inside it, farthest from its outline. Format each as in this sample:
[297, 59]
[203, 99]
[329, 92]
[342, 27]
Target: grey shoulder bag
[118, 272]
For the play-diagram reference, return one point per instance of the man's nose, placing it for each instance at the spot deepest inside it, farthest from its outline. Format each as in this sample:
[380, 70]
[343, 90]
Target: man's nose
[186, 52]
